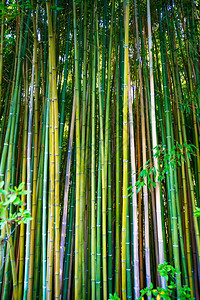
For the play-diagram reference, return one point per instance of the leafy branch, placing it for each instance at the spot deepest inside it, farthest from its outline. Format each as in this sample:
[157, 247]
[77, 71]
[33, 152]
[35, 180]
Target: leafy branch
[166, 159]
[13, 197]
[168, 272]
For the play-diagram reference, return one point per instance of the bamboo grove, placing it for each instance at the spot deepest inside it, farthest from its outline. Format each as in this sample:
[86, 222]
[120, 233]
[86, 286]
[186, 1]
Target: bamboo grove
[100, 118]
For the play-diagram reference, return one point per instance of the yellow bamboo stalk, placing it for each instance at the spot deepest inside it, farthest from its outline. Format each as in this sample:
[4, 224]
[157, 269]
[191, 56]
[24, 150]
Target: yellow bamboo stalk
[51, 179]
[54, 174]
[125, 147]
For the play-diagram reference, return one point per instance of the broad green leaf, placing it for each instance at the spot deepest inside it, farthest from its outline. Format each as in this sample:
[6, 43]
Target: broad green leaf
[2, 212]
[12, 197]
[20, 187]
[23, 193]
[7, 202]
[3, 192]
[1, 184]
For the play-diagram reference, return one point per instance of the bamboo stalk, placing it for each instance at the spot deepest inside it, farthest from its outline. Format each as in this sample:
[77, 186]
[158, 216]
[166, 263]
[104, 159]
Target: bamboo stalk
[125, 150]
[154, 143]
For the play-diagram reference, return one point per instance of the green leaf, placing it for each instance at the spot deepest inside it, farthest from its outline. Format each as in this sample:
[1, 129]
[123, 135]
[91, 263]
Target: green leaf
[3, 192]
[20, 187]
[154, 171]
[57, 8]
[171, 286]
[130, 187]
[7, 202]
[148, 293]
[2, 212]
[12, 197]
[154, 184]
[2, 224]
[139, 189]
[1, 184]
[23, 193]
[197, 212]
[16, 201]
[143, 292]
[29, 218]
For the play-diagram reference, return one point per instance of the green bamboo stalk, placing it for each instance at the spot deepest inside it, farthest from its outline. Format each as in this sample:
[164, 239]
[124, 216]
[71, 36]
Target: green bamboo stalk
[93, 184]
[77, 273]
[171, 180]
[104, 205]
[1, 53]
[44, 206]
[101, 192]
[117, 205]
[83, 135]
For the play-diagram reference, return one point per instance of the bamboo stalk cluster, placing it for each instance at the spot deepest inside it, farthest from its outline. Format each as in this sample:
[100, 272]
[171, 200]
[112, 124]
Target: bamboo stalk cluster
[99, 104]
